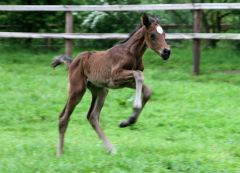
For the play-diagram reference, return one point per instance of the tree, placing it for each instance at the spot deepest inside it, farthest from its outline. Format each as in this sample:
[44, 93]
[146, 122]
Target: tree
[213, 20]
[109, 22]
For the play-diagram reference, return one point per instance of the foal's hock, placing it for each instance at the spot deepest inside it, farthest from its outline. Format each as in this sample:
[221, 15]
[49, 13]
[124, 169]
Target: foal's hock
[118, 67]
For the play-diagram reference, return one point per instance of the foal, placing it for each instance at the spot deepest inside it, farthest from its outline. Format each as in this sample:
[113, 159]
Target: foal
[118, 67]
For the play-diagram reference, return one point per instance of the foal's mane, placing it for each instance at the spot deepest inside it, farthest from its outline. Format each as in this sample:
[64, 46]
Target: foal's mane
[130, 35]
[151, 19]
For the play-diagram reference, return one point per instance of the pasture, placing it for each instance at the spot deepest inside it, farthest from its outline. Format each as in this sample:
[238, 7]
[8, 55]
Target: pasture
[191, 124]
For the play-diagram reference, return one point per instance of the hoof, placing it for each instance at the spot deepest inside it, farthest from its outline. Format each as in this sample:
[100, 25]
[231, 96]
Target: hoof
[124, 124]
[59, 151]
[131, 120]
[113, 151]
[59, 154]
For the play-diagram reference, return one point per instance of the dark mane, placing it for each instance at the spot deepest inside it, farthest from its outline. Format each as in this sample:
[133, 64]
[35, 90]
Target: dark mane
[151, 18]
[130, 35]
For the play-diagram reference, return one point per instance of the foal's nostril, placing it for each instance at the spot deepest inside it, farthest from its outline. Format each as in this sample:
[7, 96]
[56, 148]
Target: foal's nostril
[166, 51]
[165, 54]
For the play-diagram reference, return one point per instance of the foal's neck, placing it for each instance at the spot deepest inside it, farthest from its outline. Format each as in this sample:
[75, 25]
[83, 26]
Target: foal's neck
[136, 44]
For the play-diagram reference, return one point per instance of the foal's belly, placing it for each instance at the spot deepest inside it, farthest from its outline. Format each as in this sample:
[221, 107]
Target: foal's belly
[99, 77]
[99, 83]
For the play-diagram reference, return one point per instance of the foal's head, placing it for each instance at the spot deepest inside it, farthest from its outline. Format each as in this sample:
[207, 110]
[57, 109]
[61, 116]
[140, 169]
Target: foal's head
[155, 36]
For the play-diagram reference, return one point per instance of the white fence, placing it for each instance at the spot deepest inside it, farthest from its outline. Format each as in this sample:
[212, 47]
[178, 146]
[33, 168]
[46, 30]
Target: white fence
[196, 36]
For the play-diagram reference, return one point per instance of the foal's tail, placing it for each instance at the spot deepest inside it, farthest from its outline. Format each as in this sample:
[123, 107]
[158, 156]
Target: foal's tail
[60, 60]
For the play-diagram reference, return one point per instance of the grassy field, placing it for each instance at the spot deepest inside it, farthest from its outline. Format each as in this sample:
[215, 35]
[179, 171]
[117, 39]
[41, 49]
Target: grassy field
[191, 124]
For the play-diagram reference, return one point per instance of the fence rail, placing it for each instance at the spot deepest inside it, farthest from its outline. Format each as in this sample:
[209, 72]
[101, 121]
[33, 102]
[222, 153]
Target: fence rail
[196, 36]
[171, 36]
[153, 7]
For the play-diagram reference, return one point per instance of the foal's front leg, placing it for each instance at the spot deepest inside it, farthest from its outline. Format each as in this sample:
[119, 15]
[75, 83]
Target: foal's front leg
[146, 91]
[126, 77]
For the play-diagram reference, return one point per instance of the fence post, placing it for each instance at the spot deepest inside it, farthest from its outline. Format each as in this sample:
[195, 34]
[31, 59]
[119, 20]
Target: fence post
[197, 19]
[68, 29]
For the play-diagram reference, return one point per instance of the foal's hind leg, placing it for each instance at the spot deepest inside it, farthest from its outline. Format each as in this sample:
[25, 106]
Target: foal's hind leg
[146, 91]
[76, 93]
[99, 95]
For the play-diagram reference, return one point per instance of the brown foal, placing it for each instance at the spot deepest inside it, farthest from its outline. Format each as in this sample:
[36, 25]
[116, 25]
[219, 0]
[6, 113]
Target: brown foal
[118, 67]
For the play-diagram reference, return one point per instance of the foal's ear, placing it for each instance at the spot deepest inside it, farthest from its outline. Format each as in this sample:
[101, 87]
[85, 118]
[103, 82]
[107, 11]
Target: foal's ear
[145, 20]
[158, 20]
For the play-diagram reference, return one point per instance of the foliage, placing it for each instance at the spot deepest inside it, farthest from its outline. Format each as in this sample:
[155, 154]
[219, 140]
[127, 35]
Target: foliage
[191, 124]
[110, 22]
[215, 21]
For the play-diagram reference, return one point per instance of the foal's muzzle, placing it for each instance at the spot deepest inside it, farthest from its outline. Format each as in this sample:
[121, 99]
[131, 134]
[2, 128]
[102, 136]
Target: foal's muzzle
[165, 54]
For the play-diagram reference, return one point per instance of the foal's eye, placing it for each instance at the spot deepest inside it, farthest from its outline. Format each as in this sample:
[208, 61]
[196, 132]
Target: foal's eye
[153, 37]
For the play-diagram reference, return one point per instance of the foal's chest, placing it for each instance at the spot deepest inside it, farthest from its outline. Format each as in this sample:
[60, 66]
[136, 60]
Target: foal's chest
[135, 64]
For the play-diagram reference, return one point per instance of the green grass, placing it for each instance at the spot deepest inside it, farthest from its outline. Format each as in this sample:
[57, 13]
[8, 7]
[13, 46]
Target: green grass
[190, 125]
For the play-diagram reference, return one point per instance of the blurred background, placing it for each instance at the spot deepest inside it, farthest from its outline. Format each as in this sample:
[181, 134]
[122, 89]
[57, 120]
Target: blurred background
[213, 21]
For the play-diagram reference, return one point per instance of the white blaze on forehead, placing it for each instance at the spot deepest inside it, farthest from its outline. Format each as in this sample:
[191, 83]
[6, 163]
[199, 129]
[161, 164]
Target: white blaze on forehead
[159, 29]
